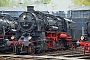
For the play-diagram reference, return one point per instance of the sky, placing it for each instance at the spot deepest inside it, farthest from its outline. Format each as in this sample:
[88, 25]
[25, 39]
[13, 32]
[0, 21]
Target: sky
[57, 5]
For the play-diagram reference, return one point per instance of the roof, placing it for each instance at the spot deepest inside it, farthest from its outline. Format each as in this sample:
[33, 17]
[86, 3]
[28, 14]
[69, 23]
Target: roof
[79, 8]
[12, 9]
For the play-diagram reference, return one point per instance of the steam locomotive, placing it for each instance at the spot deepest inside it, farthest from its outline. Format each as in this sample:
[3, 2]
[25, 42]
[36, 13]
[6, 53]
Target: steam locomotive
[38, 32]
[7, 25]
[85, 39]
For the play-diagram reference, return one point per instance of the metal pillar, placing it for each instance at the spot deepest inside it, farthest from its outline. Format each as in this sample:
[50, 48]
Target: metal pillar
[83, 20]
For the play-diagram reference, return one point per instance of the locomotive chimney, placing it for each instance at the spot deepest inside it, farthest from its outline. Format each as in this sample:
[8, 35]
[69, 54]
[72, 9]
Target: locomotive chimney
[30, 8]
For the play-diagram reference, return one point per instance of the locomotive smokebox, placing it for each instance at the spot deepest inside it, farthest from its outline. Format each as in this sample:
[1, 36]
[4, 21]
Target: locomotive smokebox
[30, 8]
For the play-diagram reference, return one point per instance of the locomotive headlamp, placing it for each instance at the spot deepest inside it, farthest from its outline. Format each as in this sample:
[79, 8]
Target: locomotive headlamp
[24, 16]
[32, 18]
[82, 37]
[29, 37]
[12, 37]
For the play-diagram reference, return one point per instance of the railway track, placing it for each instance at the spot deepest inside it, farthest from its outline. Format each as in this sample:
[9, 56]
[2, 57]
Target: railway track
[74, 54]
